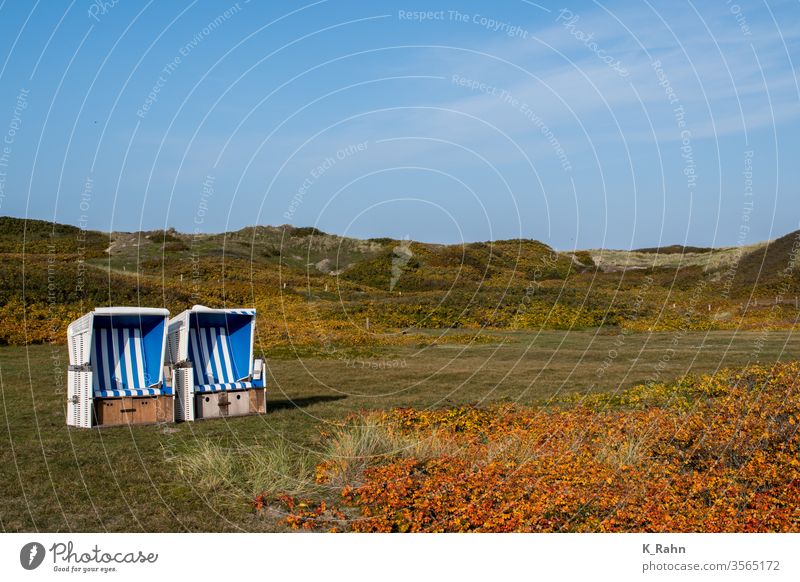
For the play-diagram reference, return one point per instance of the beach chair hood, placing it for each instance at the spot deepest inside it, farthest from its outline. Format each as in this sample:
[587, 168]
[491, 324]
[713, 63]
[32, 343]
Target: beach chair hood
[219, 345]
[124, 347]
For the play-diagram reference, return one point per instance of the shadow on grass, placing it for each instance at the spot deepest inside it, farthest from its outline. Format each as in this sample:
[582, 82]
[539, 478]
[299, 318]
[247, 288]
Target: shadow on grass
[291, 403]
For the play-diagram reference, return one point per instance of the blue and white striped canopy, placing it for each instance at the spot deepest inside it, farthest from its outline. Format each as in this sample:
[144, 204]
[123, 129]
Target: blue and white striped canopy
[214, 364]
[119, 359]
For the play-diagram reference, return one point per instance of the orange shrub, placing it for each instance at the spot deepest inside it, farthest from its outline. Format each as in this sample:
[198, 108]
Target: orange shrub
[706, 454]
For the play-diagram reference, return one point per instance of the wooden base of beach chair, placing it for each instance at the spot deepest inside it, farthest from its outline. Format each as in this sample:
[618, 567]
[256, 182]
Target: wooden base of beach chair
[258, 401]
[133, 410]
[224, 404]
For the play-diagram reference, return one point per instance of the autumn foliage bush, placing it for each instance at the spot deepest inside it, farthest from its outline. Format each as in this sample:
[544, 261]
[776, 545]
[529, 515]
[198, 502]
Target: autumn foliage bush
[715, 453]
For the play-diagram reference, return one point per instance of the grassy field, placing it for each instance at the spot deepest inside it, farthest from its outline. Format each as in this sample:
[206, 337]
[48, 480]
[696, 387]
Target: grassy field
[127, 479]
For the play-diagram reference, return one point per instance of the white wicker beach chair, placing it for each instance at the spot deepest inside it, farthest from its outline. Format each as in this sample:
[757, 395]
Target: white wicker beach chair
[213, 370]
[116, 357]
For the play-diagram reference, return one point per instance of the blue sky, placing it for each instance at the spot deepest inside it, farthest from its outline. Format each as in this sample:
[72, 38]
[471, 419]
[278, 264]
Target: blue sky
[581, 124]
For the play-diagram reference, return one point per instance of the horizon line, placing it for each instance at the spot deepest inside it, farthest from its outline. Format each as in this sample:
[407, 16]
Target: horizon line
[285, 225]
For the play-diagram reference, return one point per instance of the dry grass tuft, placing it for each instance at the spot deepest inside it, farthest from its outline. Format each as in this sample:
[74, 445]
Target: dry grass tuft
[247, 471]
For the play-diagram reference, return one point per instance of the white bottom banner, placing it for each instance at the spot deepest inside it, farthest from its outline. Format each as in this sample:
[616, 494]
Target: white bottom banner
[331, 557]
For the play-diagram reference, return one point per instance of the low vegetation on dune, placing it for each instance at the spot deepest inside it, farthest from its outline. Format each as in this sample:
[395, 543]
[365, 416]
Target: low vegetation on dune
[313, 289]
[712, 453]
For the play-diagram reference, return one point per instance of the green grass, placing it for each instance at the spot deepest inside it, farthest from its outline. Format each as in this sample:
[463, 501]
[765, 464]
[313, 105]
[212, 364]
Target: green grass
[137, 479]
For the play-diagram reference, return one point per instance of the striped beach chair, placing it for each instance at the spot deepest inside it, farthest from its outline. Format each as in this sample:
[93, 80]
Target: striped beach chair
[116, 373]
[214, 372]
